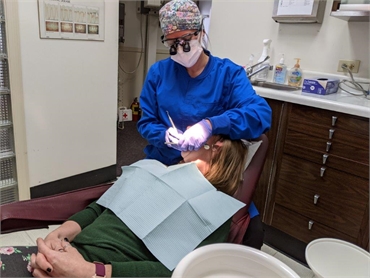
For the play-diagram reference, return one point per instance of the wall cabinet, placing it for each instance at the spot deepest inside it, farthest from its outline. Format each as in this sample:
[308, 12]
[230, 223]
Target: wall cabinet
[319, 182]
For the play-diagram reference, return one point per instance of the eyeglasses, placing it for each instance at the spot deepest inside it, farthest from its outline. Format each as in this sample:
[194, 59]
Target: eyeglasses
[175, 42]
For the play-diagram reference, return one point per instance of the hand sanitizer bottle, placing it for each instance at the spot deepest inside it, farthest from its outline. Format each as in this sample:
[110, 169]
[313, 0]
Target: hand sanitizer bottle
[262, 75]
[295, 75]
[280, 71]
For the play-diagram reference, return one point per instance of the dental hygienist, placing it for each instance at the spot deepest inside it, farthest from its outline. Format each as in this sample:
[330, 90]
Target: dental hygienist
[194, 89]
[212, 95]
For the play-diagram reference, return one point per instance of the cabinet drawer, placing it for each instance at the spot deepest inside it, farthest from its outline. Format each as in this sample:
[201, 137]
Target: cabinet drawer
[297, 226]
[328, 159]
[351, 146]
[309, 115]
[299, 181]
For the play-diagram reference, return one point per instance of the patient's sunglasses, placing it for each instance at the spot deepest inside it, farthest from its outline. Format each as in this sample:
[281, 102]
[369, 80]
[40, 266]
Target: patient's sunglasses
[175, 42]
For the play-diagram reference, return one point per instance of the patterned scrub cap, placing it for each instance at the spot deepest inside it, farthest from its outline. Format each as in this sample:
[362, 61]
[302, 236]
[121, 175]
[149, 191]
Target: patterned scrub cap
[179, 15]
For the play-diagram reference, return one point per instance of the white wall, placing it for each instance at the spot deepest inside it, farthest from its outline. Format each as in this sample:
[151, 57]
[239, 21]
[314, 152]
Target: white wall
[238, 28]
[70, 98]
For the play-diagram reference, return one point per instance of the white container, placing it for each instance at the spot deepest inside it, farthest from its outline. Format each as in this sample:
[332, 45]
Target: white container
[329, 257]
[124, 114]
[263, 75]
[231, 260]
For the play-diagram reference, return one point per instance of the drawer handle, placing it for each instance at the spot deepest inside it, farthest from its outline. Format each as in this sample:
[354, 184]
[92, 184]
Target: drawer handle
[310, 224]
[328, 145]
[324, 158]
[316, 198]
[333, 120]
[322, 171]
[331, 133]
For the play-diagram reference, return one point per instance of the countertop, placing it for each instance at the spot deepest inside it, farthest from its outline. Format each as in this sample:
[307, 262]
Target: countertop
[341, 101]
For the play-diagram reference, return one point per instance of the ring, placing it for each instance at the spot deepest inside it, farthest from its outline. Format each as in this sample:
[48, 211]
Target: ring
[61, 250]
[65, 246]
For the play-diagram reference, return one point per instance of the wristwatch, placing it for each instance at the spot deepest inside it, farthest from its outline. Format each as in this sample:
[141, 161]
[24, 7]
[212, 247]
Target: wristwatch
[99, 270]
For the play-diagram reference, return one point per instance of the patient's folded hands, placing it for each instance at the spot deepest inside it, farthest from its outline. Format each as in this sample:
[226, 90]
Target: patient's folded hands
[65, 262]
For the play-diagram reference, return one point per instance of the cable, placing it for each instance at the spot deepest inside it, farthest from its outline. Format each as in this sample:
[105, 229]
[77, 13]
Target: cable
[352, 84]
[141, 52]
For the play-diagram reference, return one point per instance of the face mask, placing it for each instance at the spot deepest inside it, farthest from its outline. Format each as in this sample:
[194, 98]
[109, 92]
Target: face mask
[188, 59]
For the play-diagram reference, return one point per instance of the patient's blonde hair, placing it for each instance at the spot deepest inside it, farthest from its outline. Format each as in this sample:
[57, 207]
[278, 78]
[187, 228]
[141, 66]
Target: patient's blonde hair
[227, 165]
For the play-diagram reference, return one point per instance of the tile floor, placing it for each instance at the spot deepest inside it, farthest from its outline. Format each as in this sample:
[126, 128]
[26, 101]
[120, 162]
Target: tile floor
[29, 237]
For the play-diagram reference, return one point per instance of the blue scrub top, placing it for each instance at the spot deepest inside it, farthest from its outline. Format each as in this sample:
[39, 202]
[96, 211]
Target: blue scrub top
[222, 93]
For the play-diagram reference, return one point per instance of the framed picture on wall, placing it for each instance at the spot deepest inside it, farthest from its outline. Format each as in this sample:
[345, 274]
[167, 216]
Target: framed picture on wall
[71, 19]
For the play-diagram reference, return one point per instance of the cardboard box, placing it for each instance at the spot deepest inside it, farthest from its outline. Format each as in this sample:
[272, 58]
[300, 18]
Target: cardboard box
[320, 86]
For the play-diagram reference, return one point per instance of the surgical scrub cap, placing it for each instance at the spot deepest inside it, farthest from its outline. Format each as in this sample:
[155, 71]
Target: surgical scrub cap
[179, 15]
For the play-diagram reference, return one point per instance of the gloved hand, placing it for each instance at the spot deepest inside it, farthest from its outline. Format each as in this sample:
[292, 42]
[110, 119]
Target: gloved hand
[196, 136]
[172, 137]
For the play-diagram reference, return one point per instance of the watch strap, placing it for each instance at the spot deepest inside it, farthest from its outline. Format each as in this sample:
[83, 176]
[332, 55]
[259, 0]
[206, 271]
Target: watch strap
[99, 270]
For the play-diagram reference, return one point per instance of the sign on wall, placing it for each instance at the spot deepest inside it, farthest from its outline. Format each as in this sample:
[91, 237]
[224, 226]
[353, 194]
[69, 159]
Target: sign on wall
[69, 19]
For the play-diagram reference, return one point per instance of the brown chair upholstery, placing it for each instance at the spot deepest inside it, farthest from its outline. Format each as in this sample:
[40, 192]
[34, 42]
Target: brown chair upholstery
[245, 193]
[41, 212]
[44, 211]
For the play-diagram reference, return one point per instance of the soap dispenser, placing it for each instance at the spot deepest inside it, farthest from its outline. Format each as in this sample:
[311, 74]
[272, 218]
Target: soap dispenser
[280, 71]
[295, 75]
[263, 74]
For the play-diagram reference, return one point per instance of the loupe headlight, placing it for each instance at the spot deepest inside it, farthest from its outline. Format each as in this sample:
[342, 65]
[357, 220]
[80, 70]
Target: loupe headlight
[185, 47]
[173, 49]
[183, 41]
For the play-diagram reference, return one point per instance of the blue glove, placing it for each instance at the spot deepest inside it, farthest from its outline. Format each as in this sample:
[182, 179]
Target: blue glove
[172, 138]
[196, 136]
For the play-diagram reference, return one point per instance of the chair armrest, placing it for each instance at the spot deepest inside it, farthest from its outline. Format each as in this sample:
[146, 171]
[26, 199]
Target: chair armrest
[42, 212]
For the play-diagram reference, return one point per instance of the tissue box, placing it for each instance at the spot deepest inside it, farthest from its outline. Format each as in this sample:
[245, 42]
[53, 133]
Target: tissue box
[320, 86]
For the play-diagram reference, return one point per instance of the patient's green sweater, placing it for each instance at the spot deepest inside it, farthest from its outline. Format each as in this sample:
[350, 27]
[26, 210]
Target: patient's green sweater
[105, 238]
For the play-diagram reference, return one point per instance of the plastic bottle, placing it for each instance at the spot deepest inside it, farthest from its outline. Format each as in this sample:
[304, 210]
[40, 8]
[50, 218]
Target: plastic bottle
[262, 75]
[295, 75]
[280, 71]
[248, 67]
[250, 62]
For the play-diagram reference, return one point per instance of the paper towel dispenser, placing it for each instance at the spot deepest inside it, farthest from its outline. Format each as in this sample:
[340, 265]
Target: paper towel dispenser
[351, 10]
[310, 11]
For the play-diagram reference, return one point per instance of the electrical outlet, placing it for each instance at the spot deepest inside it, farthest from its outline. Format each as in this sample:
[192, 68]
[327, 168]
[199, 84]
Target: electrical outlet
[353, 65]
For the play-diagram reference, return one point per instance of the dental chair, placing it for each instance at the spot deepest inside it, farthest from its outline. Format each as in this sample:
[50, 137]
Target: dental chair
[44, 211]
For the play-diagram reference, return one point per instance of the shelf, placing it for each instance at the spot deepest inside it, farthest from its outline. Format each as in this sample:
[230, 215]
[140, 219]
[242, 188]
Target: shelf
[5, 123]
[353, 16]
[7, 155]
[4, 91]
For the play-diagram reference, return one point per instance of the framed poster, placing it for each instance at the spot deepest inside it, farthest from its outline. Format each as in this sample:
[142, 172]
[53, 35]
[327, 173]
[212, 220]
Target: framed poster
[71, 19]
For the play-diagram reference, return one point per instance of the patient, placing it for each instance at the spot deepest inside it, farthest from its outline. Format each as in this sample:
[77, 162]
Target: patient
[96, 234]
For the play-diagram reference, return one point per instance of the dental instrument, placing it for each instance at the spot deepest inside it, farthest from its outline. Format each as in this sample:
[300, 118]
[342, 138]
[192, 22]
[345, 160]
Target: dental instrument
[172, 123]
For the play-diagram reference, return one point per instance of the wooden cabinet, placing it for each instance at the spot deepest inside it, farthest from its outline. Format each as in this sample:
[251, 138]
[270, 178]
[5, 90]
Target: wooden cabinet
[262, 196]
[320, 183]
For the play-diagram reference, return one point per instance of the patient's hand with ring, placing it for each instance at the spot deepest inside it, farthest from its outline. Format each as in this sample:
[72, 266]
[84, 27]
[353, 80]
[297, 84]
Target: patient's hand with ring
[54, 242]
[69, 263]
